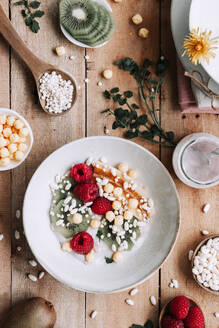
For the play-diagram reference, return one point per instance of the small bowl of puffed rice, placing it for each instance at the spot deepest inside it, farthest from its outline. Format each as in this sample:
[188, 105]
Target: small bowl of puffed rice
[205, 264]
[16, 139]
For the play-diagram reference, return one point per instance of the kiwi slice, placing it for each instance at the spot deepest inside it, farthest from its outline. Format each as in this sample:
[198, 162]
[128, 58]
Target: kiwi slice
[87, 21]
[72, 229]
[78, 16]
[96, 26]
[106, 34]
[109, 241]
[102, 30]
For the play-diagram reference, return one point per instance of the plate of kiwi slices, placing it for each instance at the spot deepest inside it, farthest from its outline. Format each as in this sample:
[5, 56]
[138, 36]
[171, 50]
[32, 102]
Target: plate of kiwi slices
[87, 23]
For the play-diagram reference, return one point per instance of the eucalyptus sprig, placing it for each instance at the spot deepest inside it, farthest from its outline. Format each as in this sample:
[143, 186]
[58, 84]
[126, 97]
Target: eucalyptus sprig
[30, 12]
[126, 114]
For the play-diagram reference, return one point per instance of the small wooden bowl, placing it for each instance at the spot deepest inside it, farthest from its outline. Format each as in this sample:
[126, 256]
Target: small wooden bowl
[164, 309]
[203, 242]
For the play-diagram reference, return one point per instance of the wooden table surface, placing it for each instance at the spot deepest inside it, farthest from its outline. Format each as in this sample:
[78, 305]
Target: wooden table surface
[17, 91]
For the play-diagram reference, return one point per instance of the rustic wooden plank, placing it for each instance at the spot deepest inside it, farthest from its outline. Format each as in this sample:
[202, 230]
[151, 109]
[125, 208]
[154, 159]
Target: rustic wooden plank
[5, 191]
[50, 133]
[193, 220]
[112, 311]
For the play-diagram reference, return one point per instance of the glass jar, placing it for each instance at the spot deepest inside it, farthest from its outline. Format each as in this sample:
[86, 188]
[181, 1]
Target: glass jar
[196, 160]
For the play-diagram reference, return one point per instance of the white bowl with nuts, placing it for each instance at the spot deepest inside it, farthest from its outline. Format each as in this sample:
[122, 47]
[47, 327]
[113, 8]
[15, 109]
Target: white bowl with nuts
[16, 139]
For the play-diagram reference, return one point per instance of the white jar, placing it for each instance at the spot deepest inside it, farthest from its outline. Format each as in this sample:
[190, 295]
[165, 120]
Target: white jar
[193, 160]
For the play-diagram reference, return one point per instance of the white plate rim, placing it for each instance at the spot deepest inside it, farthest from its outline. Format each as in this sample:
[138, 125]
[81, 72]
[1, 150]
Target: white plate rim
[204, 65]
[140, 281]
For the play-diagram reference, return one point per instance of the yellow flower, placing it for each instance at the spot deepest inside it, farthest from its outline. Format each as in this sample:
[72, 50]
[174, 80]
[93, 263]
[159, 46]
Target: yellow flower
[199, 46]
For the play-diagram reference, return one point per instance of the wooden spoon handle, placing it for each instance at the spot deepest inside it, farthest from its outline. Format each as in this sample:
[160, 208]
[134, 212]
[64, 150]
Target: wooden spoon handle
[9, 33]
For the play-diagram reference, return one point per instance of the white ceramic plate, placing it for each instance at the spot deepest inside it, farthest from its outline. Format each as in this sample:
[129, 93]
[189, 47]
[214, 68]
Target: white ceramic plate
[204, 14]
[13, 163]
[80, 44]
[138, 265]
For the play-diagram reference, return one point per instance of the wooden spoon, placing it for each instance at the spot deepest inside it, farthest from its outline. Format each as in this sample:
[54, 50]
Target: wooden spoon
[36, 66]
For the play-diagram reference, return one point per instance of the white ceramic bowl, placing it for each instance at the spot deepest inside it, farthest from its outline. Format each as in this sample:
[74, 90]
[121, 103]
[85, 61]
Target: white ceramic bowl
[204, 15]
[80, 44]
[139, 264]
[13, 163]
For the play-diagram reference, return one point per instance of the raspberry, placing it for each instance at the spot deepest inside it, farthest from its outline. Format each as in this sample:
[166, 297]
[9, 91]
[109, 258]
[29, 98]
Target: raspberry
[86, 192]
[169, 322]
[82, 243]
[82, 172]
[101, 205]
[195, 318]
[179, 307]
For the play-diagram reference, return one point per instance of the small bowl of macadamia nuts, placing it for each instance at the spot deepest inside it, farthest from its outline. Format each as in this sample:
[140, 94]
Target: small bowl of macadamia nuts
[16, 139]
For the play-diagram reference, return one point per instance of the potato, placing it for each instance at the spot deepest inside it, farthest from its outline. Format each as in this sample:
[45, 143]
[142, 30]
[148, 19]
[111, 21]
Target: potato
[32, 313]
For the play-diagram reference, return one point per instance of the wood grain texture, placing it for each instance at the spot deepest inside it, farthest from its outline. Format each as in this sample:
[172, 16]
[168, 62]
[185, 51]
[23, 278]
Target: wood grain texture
[5, 189]
[18, 88]
[113, 311]
[193, 220]
[50, 134]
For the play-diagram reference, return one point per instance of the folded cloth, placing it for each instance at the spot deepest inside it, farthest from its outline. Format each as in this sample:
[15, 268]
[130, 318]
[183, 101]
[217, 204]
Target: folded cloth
[191, 98]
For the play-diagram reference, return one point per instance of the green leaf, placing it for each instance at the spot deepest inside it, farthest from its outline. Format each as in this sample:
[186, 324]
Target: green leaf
[35, 26]
[133, 125]
[170, 135]
[149, 324]
[106, 94]
[147, 63]
[114, 90]
[122, 101]
[99, 233]
[119, 113]
[135, 106]
[156, 131]
[28, 21]
[105, 111]
[147, 135]
[35, 4]
[132, 115]
[131, 134]
[161, 67]
[38, 13]
[19, 3]
[117, 97]
[142, 119]
[108, 260]
[115, 125]
[23, 13]
[128, 94]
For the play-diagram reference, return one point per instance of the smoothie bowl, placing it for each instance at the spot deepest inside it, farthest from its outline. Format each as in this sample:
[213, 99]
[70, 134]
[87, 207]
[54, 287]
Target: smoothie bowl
[106, 217]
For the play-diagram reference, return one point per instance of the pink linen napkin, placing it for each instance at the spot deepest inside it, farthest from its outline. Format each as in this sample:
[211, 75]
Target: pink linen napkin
[186, 97]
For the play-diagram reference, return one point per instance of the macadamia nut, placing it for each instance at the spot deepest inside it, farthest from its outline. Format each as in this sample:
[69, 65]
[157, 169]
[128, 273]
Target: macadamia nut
[107, 74]
[110, 216]
[60, 51]
[137, 19]
[143, 33]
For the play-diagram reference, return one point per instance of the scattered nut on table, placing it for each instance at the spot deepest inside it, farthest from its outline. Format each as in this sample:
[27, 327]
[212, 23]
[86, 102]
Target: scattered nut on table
[143, 33]
[107, 74]
[60, 51]
[137, 19]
